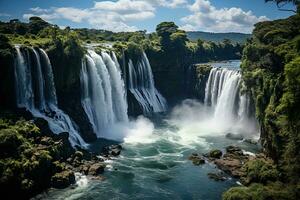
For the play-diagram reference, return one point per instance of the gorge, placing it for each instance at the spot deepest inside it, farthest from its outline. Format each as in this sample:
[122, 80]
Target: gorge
[153, 116]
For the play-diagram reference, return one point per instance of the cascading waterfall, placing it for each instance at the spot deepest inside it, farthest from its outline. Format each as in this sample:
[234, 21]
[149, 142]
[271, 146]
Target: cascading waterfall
[141, 85]
[103, 91]
[36, 92]
[223, 96]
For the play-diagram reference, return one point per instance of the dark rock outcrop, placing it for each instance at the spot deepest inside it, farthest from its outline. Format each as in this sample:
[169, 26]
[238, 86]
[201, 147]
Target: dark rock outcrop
[112, 150]
[217, 176]
[96, 169]
[63, 179]
[215, 153]
[233, 136]
[197, 159]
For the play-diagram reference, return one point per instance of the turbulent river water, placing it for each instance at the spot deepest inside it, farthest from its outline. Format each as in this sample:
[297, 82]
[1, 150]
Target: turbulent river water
[154, 161]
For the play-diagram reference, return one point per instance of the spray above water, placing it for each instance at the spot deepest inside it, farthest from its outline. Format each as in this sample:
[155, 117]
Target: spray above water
[225, 109]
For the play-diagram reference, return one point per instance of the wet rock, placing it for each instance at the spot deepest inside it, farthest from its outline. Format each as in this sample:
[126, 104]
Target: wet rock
[63, 179]
[112, 150]
[234, 150]
[250, 141]
[78, 155]
[217, 176]
[43, 126]
[215, 153]
[233, 136]
[98, 178]
[85, 169]
[231, 166]
[96, 169]
[197, 159]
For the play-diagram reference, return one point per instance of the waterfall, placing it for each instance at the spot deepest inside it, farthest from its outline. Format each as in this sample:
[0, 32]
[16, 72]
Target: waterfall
[223, 96]
[40, 98]
[141, 85]
[103, 91]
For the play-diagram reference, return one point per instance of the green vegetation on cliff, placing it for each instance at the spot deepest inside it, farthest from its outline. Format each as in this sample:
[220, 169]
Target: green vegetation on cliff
[271, 72]
[218, 37]
[29, 159]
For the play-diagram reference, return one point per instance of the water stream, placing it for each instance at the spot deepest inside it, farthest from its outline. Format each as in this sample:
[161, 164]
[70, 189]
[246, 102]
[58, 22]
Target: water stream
[154, 162]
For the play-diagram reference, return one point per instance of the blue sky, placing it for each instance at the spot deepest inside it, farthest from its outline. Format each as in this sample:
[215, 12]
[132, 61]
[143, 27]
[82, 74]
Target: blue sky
[131, 15]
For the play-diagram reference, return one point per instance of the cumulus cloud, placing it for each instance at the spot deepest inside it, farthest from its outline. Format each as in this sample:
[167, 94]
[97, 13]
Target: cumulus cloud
[167, 3]
[106, 15]
[204, 16]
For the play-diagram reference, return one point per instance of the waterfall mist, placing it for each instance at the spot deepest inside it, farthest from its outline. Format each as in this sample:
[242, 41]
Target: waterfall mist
[36, 92]
[225, 109]
[104, 96]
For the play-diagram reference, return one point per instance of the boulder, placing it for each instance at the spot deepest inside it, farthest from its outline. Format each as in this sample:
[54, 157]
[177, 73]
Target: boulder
[96, 169]
[63, 179]
[250, 141]
[233, 136]
[112, 150]
[215, 153]
[78, 155]
[217, 176]
[231, 166]
[197, 159]
[43, 126]
[234, 150]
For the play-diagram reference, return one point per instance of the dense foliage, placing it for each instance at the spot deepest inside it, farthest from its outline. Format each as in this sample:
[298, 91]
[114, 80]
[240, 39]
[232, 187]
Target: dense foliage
[29, 159]
[271, 72]
[218, 37]
[6, 73]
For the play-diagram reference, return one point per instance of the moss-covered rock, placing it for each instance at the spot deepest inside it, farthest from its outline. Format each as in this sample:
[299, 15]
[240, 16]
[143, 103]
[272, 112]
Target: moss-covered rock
[274, 191]
[197, 159]
[63, 179]
[216, 153]
[96, 169]
[260, 171]
[28, 159]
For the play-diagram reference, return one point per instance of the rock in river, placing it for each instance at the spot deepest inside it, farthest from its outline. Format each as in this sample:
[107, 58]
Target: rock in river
[197, 159]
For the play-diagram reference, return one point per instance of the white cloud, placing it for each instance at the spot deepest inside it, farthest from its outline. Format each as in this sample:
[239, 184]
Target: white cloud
[4, 15]
[106, 15]
[39, 10]
[204, 16]
[124, 6]
[167, 3]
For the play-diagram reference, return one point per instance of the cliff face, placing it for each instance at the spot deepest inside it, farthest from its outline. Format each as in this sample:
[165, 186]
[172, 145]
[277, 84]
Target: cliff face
[7, 86]
[66, 58]
[197, 80]
[170, 71]
[271, 72]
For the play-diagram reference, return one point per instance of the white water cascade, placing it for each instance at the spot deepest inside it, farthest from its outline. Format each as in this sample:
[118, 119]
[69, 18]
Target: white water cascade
[223, 97]
[141, 85]
[36, 92]
[103, 91]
